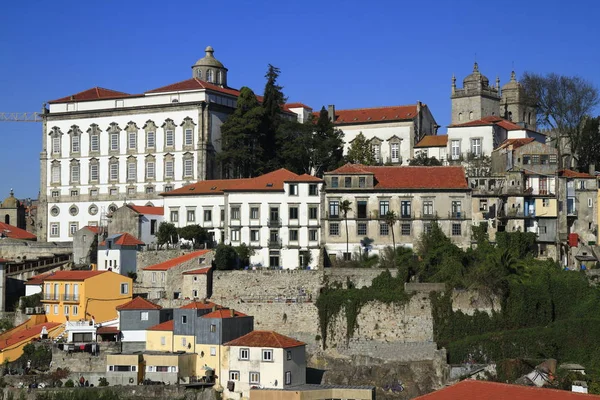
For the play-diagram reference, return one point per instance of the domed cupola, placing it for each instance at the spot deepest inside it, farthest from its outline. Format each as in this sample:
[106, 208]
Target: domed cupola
[476, 80]
[209, 69]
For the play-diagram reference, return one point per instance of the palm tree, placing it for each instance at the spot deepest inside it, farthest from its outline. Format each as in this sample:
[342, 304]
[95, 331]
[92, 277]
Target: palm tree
[345, 208]
[390, 219]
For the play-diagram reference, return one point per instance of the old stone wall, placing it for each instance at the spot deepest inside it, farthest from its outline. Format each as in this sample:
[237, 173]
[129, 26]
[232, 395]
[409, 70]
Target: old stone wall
[360, 277]
[469, 301]
[12, 249]
[79, 363]
[147, 258]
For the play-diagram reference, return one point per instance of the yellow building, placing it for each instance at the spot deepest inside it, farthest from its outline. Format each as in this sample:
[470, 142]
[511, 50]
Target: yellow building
[11, 347]
[84, 295]
[160, 337]
[546, 208]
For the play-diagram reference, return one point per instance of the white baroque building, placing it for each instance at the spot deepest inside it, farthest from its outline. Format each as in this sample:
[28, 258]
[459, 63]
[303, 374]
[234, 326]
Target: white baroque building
[277, 214]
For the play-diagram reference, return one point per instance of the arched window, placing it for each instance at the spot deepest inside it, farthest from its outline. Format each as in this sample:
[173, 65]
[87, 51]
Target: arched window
[471, 115]
[219, 77]
[460, 116]
[7, 219]
[199, 73]
[510, 115]
[209, 75]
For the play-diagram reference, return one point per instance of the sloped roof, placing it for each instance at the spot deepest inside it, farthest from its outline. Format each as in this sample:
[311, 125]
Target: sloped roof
[491, 120]
[200, 305]
[194, 84]
[29, 333]
[409, 177]
[37, 279]
[266, 339]
[16, 233]
[568, 173]
[374, 114]
[106, 330]
[433, 141]
[296, 105]
[148, 210]
[96, 93]
[482, 390]
[125, 239]
[164, 326]
[224, 313]
[93, 229]
[139, 303]
[167, 265]
[201, 271]
[515, 143]
[72, 275]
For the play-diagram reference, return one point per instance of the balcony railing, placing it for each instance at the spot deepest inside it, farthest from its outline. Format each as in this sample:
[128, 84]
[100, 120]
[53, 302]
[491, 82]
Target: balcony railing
[51, 296]
[429, 215]
[274, 223]
[409, 215]
[572, 212]
[71, 297]
[274, 244]
[457, 215]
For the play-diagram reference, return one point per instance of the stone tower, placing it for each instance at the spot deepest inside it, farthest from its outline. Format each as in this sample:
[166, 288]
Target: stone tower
[476, 99]
[12, 211]
[209, 69]
[514, 105]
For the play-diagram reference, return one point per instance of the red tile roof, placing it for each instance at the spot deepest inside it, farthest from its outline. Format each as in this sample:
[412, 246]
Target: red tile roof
[165, 326]
[105, 330]
[96, 93]
[296, 105]
[148, 210]
[201, 305]
[567, 173]
[72, 275]
[194, 84]
[13, 232]
[375, 114]
[409, 177]
[201, 271]
[224, 313]
[3, 260]
[29, 333]
[433, 141]
[270, 182]
[491, 120]
[515, 143]
[167, 265]
[128, 240]
[266, 339]
[139, 303]
[93, 229]
[37, 279]
[482, 390]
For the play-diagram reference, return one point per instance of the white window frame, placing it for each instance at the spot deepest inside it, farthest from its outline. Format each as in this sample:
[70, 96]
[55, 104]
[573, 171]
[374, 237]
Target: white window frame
[267, 355]
[254, 378]
[55, 144]
[132, 171]
[124, 288]
[54, 229]
[288, 377]
[114, 142]
[132, 141]
[234, 375]
[455, 149]
[188, 168]
[476, 146]
[55, 173]
[169, 169]
[143, 315]
[395, 152]
[94, 142]
[189, 137]
[150, 170]
[75, 144]
[75, 175]
[150, 140]
[169, 138]
[191, 215]
[94, 172]
[114, 171]
[244, 354]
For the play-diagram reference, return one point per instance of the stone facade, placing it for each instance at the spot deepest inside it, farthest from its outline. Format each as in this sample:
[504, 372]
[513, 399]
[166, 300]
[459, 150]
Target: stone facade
[12, 212]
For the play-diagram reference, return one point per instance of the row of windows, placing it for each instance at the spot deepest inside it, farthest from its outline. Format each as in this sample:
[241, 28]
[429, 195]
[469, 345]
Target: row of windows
[235, 235]
[313, 189]
[114, 191]
[384, 208]
[113, 170]
[540, 159]
[114, 142]
[235, 213]
[67, 310]
[384, 229]
[476, 148]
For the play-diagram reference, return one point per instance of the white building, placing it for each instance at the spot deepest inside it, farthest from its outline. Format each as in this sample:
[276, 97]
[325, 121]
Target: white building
[263, 359]
[277, 214]
[118, 253]
[434, 146]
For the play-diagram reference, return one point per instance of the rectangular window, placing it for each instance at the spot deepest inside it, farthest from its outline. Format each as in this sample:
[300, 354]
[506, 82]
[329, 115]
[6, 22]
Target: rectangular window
[428, 208]
[293, 190]
[288, 377]
[144, 316]
[75, 173]
[207, 215]
[130, 191]
[66, 310]
[294, 212]
[114, 141]
[254, 213]
[334, 229]
[361, 229]
[384, 229]
[132, 141]
[54, 229]
[150, 170]
[526, 159]
[544, 159]
[150, 140]
[334, 181]
[55, 193]
[56, 309]
[362, 182]
[56, 145]
[427, 227]
[313, 190]
[94, 172]
[94, 143]
[191, 215]
[288, 355]
[348, 181]
[183, 341]
[184, 319]
[75, 144]
[376, 149]
[189, 137]
[113, 191]
[293, 235]
[174, 216]
[163, 341]
[395, 152]
[254, 378]
[267, 355]
[169, 171]
[124, 288]
[476, 147]
[535, 159]
[483, 205]
[234, 375]
[456, 209]
[244, 354]
[455, 148]
[313, 212]
[545, 202]
[313, 235]
[235, 235]
[56, 174]
[213, 351]
[188, 168]
[131, 171]
[553, 158]
[75, 310]
[456, 229]
[114, 172]
[149, 189]
[405, 229]
[361, 209]
[74, 193]
[170, 138]
[334, 209]
[73, 227]
[235, 213]
[384, 207]
[254, 235]
[405, 209]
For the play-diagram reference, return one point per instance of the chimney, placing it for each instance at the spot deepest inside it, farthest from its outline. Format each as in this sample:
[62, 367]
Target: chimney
[331, 112]
[593, 169]
[232, 312]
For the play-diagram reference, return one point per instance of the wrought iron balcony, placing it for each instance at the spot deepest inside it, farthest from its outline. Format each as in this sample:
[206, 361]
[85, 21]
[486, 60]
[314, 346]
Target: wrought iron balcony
[274, 223]
[274, 244]
[51, 297]
[71, 297]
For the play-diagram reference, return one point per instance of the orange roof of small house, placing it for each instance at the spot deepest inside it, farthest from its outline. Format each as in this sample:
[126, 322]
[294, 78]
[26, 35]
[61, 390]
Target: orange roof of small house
[416, 177]
[515, 143]
[491, 120]
[93, 229]
[470, 389]
[172, 263]
[139, 303]
[433, 141]
[96, 93]
[37, 279]
[26, 334]
[148, 210]
[374, 114]
[201, 271]
[568, 173]
[128, 240]
[72, 275]
[224, 313]
[296, 105]
[200, 305]
[13, 232]
[266, 339]
[164, 326]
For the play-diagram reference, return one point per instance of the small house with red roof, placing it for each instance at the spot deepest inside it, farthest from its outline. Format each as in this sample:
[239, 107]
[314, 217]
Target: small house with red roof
[140, 222]
[433, 146]
[416, 195]
[263, 359]
[118, 253]
[135, 317]
[277, 214]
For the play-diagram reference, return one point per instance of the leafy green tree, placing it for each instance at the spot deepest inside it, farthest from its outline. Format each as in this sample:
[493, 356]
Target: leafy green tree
[195, 233]
[242, 152]
[244, 252]
[296, 145]
[422, 160]
[345, 208]
[327, 145]
[390, 219]
[273, 101]
[166, 234]
[360, 151]
[589, 154]
[225, 257]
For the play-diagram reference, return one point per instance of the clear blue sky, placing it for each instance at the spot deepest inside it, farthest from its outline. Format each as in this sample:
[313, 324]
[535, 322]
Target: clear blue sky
[348, 53]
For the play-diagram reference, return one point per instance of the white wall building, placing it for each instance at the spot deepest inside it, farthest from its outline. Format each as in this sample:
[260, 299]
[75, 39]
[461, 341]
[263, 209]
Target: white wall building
[118, 253]
[263, 359]
[277, 214]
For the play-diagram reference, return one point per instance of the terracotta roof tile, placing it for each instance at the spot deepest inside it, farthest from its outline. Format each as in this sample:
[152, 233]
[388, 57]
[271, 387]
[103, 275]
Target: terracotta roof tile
[224, 313]
[93, 229]
[167, 265]
[567, 173]
[296, 105]
[515, 143]
[148, 210]
[410, 177]
[13, 232]
[482, 390]
[29, 333]
[433, 141]
[139, 303]
[201, 271]
[128, 240]
[200, 305]
[96, 93]
[491, 120]
[105, 330]
[72, 275]
[266, 339]
[194, 84]
[375, 114]
[304, 178]
[165, 326]
[37, 279]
